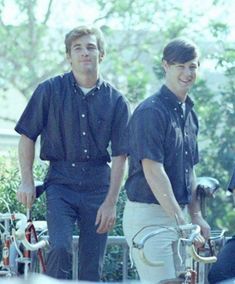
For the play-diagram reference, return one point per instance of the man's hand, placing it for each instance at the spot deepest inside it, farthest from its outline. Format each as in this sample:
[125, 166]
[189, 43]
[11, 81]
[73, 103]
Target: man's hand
[199, 241]
[205, 228]
[26, 194]
[106, 217]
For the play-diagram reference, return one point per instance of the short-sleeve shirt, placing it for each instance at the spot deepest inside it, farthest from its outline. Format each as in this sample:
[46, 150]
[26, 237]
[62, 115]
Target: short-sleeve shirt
[160, 131]
[73, 126]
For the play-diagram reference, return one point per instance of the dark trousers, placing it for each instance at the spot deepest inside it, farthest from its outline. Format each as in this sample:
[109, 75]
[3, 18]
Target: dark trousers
[67, 204]
[224, 268]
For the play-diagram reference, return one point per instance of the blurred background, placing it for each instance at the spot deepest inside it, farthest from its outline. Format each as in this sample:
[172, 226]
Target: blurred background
[32, 49]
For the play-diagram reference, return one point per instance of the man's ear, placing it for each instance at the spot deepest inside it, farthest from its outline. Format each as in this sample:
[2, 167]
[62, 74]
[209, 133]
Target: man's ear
[101, 57]
[68, 57]
[165, 65]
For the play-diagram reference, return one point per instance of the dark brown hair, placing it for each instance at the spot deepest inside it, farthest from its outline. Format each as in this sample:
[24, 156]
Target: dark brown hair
[180, 50]
[77, 32]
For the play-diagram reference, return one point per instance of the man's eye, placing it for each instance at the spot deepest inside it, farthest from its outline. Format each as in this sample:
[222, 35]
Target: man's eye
[193, 67]
[91, 47]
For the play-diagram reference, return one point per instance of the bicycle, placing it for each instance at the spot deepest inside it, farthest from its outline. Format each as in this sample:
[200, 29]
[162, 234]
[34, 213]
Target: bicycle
[187, 235]
[19, 240]
[201, 258]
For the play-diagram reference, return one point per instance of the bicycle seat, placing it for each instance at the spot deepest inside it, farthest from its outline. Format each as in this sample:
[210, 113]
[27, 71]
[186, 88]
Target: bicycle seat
[207, 186]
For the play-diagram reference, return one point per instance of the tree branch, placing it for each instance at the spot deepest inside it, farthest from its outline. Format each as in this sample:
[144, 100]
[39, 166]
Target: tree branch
[4, 118]
[48, 13]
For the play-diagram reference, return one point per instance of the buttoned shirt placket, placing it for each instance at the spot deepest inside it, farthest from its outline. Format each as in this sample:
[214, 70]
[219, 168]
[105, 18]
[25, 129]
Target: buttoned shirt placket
[186, 146]
[182, 120]
[83, 115]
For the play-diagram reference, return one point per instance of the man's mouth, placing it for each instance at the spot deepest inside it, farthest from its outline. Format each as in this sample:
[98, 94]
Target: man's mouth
[185, 82]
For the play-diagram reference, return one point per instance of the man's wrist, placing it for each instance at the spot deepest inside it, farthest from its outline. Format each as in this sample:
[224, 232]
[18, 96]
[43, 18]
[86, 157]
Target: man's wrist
[196, 215]
[111, 200]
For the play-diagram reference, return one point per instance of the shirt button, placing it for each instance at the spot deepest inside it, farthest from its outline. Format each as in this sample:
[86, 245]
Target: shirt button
[83, 133]
[73, 165]
[83, 115]
[88, 157]
[186, 152]
[85, 150]
[182, 116]
[175, 109]
[186, 170]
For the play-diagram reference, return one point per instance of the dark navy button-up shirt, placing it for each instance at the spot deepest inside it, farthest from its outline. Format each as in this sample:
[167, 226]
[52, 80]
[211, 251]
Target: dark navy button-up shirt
[231, 185]
[160, 131]
[73, 126]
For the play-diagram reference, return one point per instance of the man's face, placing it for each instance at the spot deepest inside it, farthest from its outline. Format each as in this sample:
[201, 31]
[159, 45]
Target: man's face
[84, 55]
[181, 76]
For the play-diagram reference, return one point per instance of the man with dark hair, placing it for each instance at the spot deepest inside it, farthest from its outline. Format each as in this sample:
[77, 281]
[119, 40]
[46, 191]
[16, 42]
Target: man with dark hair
[163, 152]
[224, 268]
[78, 115]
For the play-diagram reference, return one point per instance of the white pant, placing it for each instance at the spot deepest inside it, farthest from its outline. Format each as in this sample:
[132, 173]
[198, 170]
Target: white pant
[162, 247]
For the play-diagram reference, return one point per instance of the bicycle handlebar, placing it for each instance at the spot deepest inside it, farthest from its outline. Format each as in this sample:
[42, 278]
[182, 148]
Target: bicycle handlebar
[199, 258]
[194, 232]
[20, 232]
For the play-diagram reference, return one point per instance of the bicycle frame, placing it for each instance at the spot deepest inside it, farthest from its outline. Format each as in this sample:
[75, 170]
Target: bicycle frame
[191, 231]
[15, 234]
[195, 231]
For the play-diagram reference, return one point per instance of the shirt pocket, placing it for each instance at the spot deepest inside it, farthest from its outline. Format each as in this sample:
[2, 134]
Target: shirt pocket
[101, 130]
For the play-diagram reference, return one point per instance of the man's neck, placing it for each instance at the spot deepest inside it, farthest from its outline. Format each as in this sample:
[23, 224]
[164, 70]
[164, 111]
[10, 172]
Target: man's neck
[180, 95]
[86, 80]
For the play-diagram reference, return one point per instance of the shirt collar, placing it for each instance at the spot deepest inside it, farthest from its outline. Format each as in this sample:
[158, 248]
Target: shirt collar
[170, 98]
[99, 82]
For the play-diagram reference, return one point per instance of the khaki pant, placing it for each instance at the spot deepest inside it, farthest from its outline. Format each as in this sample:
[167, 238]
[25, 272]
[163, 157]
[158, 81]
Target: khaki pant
[162, 247]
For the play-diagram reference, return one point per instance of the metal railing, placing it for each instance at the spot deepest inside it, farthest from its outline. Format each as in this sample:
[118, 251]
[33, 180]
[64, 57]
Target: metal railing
[112, 240]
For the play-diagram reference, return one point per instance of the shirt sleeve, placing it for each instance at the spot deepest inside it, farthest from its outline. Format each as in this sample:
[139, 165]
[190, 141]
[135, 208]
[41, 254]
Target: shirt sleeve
[119, 136]
[35, 114]
[231, 185]
[146, 135]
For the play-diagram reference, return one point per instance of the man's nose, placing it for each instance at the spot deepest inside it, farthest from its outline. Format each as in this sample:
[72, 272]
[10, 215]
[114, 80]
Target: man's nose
[84, 51]
[188, 71]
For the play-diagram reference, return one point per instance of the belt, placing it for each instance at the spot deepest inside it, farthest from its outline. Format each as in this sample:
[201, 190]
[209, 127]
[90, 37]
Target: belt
[74, 164]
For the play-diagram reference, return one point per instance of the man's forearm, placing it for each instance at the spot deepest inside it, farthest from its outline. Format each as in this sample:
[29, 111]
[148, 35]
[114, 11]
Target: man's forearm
[162, 189]
[117, 173]
[26, 158]
[194, 206]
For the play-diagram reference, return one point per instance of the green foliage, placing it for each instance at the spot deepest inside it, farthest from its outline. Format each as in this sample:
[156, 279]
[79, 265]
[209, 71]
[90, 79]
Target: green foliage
[23, 46]
[9, 183]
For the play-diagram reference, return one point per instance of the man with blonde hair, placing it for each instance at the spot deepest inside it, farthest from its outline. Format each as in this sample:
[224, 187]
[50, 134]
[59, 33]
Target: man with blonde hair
[78, 115]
